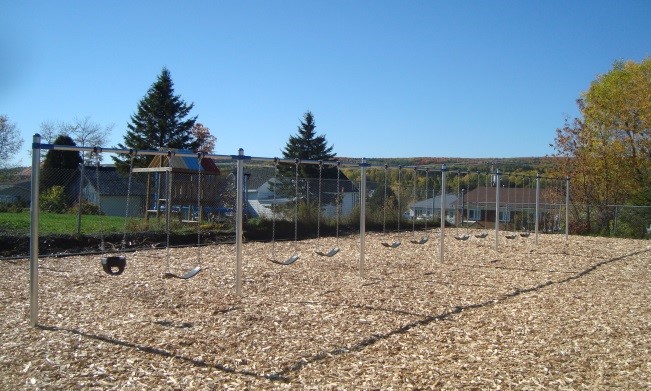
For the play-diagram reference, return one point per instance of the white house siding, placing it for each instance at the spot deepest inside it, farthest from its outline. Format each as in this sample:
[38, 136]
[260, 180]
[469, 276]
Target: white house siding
[115, 205]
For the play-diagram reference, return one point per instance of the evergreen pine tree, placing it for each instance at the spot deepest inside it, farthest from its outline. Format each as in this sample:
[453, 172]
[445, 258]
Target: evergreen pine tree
[307, 145]
[58, 164]
[161, 122]
[62, 159]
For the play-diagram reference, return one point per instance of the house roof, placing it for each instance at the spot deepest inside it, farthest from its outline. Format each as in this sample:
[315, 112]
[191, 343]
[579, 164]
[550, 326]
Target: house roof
[450, 199]
[17, 189]
[112, 182]
[185, 163]
[483, 195]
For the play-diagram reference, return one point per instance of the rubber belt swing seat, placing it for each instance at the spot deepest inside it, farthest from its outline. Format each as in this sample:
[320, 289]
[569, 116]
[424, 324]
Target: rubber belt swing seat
[333, 251]
[286, 262]
[185, 276]
[422, 240]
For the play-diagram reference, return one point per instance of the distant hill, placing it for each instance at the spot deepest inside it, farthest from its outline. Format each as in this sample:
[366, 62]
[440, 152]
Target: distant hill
[465, 164]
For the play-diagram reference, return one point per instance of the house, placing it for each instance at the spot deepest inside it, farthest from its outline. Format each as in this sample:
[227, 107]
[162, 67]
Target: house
[112, 195]
[262, 190]
[517, 207]
[15, 186]
[430, 208]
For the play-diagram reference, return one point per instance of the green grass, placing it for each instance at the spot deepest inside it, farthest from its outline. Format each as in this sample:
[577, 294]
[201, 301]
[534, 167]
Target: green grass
[53, 223]
[12, 223]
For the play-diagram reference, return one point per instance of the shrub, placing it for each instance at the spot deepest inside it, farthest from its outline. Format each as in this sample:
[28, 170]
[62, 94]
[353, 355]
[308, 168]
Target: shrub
[53, 200]
[86, 208]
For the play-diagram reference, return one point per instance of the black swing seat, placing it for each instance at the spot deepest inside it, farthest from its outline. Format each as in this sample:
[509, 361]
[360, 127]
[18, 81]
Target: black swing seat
[422, 240]
[525, 234]
[462, 237]
[185, 276]
[330, 253]
[481, 235]
[114, 265]
[511, 236]
[391, 245]
[286, 262]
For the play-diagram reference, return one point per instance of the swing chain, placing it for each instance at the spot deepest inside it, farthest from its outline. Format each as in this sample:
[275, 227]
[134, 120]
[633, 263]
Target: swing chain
[96, 151]
[384, 209]
[318, 211]
[200, 156]
[273, 210]
[426, 194]
[399, 191]
[338, 201]
[168, 208]
[413, 217]
[132, 154]
[297, 161]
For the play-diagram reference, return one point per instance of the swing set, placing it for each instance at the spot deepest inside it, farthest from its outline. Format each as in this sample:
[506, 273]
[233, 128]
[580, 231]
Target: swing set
[115, 263]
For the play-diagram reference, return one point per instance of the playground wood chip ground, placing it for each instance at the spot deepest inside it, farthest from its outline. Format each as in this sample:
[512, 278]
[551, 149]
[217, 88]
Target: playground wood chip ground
[558, 315]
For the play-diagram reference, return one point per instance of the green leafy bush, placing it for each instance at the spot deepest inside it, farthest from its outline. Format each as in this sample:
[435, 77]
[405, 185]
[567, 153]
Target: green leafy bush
[53, 200]
[86, 208]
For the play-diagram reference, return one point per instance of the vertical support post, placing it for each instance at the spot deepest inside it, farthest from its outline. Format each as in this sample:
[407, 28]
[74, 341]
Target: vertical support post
[33, 239]
[238, 221]
[362, 217]
[497, 208]
[567, 207]
[444, 170]
[537, 204]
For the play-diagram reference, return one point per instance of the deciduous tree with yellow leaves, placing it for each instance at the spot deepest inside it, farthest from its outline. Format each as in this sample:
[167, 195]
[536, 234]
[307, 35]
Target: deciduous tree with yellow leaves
[607, 150]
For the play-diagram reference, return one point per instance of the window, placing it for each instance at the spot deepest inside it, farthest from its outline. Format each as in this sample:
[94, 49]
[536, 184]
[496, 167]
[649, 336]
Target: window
[474, 214]
[505, 215]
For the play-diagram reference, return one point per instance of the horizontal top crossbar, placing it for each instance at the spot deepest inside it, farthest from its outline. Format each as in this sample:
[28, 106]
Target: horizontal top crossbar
[331, 163]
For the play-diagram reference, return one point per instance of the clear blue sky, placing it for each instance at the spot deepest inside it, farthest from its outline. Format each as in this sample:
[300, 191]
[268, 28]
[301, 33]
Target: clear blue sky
[383, 78]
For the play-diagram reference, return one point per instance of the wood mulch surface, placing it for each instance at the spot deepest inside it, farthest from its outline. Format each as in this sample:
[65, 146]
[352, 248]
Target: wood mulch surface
[562, 314]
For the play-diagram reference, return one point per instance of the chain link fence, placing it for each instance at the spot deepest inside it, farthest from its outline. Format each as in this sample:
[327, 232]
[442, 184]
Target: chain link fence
[626, 221]
[82, 205]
